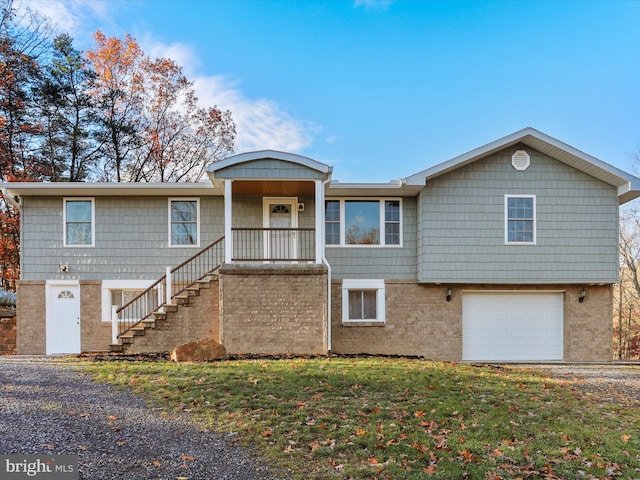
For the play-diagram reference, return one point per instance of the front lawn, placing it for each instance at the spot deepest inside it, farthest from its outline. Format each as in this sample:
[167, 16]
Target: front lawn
[397, 418]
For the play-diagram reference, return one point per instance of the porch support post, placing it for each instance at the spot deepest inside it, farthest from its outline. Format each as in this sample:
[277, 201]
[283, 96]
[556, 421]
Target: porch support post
[228, 238]
[319, 220]
[169, 282]
[114, 324]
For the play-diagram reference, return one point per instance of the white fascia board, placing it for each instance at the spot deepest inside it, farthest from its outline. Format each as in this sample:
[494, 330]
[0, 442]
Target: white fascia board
[396, 188]
[420, 178]
[264, 154]
[108, 189]
[539, 141]
[629, 191]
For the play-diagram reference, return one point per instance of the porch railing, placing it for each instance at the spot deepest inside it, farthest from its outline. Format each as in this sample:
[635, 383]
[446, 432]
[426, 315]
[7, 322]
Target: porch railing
[273, 244]
[173, 283]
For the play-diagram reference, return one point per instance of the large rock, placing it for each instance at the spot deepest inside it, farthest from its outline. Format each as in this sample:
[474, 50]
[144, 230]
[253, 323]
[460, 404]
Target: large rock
[203, 350]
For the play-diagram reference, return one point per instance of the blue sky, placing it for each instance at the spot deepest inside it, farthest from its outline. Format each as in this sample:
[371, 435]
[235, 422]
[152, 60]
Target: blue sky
[383, 89]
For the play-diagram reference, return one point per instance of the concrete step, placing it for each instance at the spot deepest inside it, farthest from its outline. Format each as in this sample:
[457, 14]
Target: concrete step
[138, 330]
[182, 299]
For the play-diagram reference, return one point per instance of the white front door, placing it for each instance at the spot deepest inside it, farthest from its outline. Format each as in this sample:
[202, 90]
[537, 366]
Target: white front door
[280, 214]
[63, 318]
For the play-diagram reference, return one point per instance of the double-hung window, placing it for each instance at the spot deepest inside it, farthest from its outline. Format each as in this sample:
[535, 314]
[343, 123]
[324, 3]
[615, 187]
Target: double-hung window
[363, 222]
[79, 222]
[363, 301]
[520, 219]
[184, 222]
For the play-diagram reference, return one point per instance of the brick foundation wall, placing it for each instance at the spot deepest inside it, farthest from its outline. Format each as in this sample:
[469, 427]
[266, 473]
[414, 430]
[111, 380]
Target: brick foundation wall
[274, 309]
[31, 317]
[7, 334]
[95, 335]
[191, 322]
[588, 326]
[420, 322]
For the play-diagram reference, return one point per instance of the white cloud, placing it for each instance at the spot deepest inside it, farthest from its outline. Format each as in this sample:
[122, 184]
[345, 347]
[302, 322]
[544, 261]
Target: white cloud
[66, 15]
[180, 53]
[260, 123]
[378, 5]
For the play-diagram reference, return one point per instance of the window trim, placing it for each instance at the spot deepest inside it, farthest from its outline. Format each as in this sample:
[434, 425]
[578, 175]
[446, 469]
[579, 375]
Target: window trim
[66, 200]
[364, 284]
[184, 199]
[506, 219]
[108, 285]
[381, 203]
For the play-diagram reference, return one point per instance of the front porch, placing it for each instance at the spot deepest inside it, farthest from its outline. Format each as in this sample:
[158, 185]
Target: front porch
[273, 206]
[267, 268]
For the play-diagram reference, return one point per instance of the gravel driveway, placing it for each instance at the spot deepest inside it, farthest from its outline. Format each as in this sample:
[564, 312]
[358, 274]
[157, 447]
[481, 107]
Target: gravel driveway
[47, 408]
[619, 383]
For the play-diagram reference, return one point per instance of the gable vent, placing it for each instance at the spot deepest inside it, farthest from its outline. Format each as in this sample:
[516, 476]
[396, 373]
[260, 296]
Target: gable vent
[520, 160]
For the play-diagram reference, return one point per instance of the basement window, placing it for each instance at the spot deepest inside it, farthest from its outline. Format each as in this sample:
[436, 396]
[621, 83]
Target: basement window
[363, 301]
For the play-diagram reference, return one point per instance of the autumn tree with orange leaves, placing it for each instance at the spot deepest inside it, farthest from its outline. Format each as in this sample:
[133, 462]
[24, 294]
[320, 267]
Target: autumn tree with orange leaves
[108, 114]
[23, 43]
[152, 127]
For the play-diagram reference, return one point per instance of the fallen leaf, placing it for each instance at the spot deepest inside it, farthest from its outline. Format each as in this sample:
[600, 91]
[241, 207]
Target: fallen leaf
[121, 442]
[156, 463]
[625, 438]
[188, 458]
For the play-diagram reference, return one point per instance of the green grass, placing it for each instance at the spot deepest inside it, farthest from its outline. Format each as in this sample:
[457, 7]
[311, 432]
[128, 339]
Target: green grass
[397, 418]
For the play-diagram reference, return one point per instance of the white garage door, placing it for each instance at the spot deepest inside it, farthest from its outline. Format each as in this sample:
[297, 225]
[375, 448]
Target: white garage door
[512, 326]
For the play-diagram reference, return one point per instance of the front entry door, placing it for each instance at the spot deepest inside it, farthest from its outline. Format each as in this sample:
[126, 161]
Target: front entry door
[280, 217]
[63, 319]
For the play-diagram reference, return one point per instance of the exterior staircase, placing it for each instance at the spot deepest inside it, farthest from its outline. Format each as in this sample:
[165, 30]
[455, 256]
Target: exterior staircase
[191, 313]
[176, 323]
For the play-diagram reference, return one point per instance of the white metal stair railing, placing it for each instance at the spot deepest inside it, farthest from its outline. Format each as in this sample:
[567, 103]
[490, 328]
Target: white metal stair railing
[177, 280]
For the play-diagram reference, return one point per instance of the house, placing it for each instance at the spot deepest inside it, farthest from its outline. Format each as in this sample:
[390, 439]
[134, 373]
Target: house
[505, 253]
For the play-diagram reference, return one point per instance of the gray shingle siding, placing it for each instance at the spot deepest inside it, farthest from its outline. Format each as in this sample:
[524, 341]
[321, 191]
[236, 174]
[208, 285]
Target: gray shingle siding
[131, 238]
[269, 168]
[462, 225]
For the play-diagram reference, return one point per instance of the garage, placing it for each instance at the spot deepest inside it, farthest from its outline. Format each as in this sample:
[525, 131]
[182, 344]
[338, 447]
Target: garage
[512, 326]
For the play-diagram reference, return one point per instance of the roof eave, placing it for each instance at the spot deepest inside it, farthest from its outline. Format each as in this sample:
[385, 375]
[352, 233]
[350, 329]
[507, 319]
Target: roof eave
[264, 154]
[543, 143]
[396, 188]
[107, 189]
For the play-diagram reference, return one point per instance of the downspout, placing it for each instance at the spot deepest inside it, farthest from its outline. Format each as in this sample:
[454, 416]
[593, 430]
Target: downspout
[326, 263]
[11, 199]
